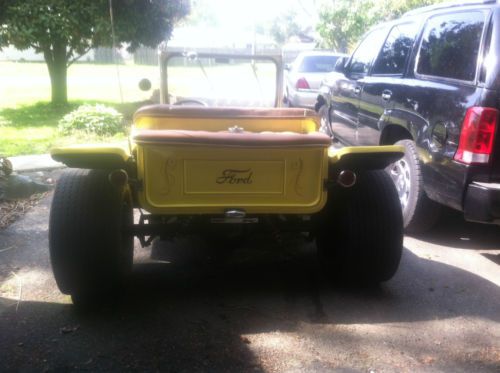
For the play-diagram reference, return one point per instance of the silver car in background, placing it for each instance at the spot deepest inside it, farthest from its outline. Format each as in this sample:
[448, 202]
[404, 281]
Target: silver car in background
[303, 77]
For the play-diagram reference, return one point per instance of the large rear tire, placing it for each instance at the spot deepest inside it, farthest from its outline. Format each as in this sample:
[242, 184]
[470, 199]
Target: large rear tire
[360, 231]
[91, 252]
[419, 212]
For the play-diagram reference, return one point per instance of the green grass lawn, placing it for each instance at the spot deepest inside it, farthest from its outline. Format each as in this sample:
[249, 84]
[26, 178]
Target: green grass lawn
[28, 122]
[27, 83]
[32, 129]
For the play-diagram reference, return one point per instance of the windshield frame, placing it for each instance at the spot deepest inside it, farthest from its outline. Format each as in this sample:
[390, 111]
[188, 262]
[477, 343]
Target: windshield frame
[165, 56]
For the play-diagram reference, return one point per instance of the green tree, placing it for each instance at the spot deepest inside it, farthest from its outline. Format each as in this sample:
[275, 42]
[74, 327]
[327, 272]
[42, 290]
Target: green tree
[285, 26]
[203, 14]
[390, 9]
[64, 30]
[343, 22]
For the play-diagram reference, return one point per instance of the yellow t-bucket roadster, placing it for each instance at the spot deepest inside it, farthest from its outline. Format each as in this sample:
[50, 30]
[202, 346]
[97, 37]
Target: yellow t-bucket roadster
[220, 151]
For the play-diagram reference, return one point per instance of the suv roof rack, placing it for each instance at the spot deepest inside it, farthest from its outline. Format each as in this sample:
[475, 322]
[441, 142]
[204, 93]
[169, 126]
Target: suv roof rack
[448, 4]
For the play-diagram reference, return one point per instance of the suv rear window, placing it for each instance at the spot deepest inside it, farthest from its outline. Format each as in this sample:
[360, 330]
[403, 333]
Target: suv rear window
[450, 46]
[317, 64]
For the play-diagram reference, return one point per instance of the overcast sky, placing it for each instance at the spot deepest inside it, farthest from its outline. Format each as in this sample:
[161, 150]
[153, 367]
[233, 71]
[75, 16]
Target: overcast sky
[231, 13]
[235, 19]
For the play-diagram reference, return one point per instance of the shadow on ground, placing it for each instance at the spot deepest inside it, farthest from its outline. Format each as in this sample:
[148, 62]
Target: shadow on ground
[453, 231]
[195, 316]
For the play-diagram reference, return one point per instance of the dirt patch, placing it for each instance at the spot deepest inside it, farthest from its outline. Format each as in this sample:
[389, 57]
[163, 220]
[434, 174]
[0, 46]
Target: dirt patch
[13, 209]
[10, 211]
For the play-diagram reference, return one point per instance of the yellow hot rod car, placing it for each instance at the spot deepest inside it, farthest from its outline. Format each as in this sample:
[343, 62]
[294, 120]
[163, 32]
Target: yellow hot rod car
[211, 156]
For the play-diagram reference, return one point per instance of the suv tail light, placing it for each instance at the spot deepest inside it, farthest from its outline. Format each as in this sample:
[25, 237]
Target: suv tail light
[477, 136]
[302, 84]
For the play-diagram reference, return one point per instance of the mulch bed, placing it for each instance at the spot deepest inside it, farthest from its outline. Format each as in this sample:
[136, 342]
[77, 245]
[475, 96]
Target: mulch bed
[10, 211]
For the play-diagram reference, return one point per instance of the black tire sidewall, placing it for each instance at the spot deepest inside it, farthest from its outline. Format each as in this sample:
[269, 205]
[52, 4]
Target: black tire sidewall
[359, 234]
[89, 251]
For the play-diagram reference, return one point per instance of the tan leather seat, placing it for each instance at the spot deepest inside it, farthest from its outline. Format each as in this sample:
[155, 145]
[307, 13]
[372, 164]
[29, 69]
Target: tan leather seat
[225, 138]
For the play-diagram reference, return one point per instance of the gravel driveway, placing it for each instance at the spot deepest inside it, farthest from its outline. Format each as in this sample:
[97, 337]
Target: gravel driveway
[267, 308]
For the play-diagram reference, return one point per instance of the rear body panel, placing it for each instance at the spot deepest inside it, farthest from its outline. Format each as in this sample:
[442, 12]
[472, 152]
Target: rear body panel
[199, 176]
[433, 112]
[211, 180]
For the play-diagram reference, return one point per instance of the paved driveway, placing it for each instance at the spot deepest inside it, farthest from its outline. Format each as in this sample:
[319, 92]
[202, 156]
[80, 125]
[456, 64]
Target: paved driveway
[266, 309]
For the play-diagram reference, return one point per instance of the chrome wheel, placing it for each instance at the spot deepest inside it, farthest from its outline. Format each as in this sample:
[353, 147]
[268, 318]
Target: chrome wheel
[400, 174]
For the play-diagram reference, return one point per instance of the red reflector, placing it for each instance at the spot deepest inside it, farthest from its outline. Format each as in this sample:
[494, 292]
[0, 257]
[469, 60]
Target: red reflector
[477, 136]
[302, 84]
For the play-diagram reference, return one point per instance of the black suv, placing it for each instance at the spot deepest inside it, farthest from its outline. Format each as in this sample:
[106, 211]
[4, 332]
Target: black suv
[429, 81]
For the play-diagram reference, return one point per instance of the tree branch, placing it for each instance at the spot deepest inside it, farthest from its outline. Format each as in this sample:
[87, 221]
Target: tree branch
[69, 53]
[49, 60]
[70, 62]
[48, 56]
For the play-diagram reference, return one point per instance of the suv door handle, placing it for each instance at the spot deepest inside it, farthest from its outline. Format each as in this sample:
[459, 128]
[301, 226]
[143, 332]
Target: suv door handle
[386, 95]
[357, 90]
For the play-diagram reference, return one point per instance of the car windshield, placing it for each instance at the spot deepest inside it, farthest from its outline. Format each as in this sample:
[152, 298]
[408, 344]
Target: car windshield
[208, 80]
[317, 64]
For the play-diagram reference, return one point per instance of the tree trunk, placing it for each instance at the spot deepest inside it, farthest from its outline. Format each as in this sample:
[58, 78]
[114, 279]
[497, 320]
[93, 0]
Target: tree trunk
[57, 65]
[58, 83]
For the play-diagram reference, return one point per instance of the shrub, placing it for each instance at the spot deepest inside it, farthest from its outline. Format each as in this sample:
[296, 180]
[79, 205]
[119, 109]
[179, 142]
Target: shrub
[93, 119]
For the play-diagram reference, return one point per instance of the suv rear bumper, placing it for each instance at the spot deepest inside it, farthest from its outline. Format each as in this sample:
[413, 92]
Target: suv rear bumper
[482, 203]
